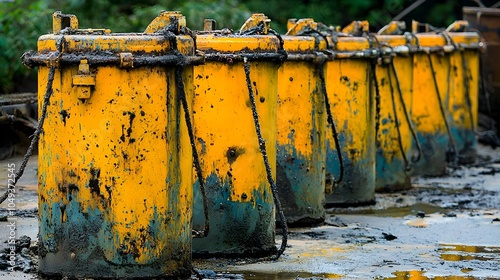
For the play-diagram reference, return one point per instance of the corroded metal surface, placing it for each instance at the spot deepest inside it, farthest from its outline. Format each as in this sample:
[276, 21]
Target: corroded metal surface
[115, 167]
[241, 208]
[301, 135]
[447, 133]
[352, 105]
[394, 139]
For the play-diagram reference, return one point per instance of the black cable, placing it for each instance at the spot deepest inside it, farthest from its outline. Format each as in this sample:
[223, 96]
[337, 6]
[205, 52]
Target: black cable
[316, 33]
[407, 115]
[453, 150]
[467, 90]
[373, 70]
[262, 146]
[168, 32]
[196, 159]
[256, 30]
[332, 125]
[396, 122]
[281, 50]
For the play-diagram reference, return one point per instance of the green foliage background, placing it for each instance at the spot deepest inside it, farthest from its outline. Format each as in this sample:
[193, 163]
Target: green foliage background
[23, 21]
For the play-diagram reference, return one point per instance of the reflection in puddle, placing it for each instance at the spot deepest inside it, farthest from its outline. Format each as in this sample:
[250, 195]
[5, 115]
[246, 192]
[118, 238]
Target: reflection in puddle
[290, 275]
[469, 248]
[419, 275]
[466, 270]
[394, 212]
[456, 252]
[460, 257]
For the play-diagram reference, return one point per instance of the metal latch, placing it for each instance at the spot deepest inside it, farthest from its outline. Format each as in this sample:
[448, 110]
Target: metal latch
[209, 24]
[164, 19]
[255, 20]
[357, 28]
[84, 80]
[295, 27]
[61, 21]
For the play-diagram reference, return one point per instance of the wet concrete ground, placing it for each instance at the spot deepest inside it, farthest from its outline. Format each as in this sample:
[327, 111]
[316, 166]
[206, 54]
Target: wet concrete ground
[443, 228]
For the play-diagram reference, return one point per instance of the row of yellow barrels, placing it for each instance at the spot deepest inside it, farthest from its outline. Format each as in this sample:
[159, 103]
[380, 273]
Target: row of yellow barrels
[341, 114]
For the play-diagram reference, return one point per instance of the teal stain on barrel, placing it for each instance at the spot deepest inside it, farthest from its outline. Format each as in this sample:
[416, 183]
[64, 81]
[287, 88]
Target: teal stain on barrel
[88, 237]
[236, 227]
[466, 144]
[300, 182]
[391, 172]
[435, 154]
[357, 186]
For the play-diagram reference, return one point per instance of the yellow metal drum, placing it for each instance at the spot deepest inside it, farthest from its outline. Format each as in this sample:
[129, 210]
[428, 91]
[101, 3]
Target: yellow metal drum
[448, 65]
[463, 102]
[429, 111]
[351, 101]
[115, 165]
[394, 139]
[241, 207]
[301, 126]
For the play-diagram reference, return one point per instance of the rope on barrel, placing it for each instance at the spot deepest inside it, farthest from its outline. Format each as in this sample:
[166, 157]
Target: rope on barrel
[407, 115]
[308, 31]
[332, 125]
[318, 34]
[468, 101]
[396, 122]
[373, 70]
[179, 85]
[452, 152]
[262, 147]
[467, 90]
[46, 101]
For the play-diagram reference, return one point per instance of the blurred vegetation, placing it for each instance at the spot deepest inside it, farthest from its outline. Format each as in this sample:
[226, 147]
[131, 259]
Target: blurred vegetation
[23, 21]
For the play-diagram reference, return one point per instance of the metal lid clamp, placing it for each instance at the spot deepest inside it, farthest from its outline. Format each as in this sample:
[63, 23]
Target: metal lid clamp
[84, 81]
[257, 24]
[393, 28]
[173, 20]
[63, 22]
[357, 28]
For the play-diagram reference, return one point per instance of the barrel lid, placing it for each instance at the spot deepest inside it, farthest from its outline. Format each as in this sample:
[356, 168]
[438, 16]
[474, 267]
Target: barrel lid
[352, 44]
[354, 37]
[161, 36]
[253, 37]
[392, 40]
[303, 36]
[447, 38]
[233, 43]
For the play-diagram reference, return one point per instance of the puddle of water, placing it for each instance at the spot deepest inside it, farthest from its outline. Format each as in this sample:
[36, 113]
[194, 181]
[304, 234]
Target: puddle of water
[460, 257]
[394, 212]
[457, 252]
[470, 248]
[419, 275]
[288, 275]
[466, 270]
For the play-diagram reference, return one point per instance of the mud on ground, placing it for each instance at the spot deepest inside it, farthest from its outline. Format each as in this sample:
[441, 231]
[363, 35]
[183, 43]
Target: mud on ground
[443, 228]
